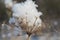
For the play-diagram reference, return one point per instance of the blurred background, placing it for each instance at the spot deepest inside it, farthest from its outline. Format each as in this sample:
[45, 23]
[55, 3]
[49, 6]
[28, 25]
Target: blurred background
[50, 18]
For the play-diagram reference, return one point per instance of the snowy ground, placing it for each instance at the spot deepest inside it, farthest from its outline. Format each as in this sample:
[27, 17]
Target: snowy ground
[44, 37]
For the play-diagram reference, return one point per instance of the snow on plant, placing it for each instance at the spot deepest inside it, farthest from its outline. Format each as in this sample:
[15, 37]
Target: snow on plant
[27, 11]
[29, 17]
[8, 3]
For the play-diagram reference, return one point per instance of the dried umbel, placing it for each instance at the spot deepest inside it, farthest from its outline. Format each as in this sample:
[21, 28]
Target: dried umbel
[28, 16]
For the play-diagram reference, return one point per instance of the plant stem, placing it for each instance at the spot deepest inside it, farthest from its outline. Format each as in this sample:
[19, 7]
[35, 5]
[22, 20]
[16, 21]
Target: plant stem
[28, 38]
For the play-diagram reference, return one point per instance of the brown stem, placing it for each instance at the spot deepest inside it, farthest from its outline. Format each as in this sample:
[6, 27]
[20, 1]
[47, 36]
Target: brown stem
[28, 38]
